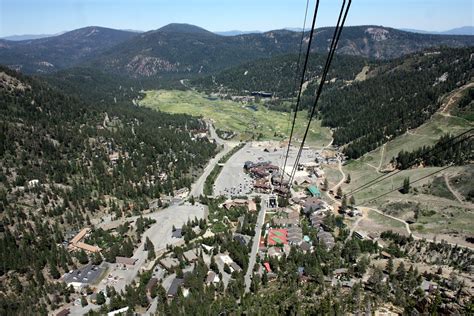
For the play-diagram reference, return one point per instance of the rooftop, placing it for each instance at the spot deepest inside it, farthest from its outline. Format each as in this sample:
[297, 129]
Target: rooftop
[174, 287]
[87, 274]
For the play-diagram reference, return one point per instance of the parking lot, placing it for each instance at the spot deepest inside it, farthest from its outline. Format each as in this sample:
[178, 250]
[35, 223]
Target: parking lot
[87, 274]
[234, 181]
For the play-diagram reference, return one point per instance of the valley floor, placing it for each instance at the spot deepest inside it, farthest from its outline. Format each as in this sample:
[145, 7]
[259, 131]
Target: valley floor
[250, 121]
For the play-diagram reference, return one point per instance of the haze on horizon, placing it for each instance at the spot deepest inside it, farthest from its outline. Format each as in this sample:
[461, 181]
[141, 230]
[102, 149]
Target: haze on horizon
[54, 16]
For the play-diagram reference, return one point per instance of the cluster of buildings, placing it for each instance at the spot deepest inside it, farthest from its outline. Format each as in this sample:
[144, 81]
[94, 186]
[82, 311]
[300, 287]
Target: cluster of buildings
[250, 204]
[267, 177]
[77, 244]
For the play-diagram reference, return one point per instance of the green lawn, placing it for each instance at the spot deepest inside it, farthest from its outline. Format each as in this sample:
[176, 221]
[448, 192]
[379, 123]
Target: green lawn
[229, 115]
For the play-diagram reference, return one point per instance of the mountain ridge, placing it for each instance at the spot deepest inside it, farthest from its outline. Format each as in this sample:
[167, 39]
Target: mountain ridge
[180, 49]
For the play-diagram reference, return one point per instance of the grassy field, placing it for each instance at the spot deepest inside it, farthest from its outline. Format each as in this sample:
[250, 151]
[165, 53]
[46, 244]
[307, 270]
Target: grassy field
[386, 221]
[258, 123]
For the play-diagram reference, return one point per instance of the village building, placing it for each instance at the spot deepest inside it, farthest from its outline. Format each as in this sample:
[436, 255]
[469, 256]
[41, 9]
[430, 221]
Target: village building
[81, 277]
[235, 267]
[64, 312]
[314, 191]
[169, 263]
[313, 204]
[76, 242]
[306, 247]
[244, 240]
[252, 206]
[303, 180]
[262, 186]
[120, 311]
[212, 278]
[285, 222]
[150, 285]
[190, 256]
[181, 193]
[274, 252]
[175, 285]
[267, 267]
[317, 219]
[327, 239]
[126, 261]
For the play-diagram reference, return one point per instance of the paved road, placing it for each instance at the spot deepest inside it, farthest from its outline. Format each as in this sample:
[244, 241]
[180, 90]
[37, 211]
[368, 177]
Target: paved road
[198, 186]
[255, 245]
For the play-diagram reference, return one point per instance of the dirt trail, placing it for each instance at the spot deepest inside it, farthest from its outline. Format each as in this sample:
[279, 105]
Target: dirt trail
[454, 192]
[452, 98]
[365, 210]
[334, 188]
[381, 158]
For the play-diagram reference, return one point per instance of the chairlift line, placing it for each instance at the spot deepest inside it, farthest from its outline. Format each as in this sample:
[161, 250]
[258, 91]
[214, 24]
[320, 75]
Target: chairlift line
[308, 50]
[399, 188]
[337, 33]
[298, 63]
[415, 161]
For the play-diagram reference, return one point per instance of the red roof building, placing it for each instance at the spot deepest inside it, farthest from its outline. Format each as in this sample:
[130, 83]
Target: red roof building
[267, 267]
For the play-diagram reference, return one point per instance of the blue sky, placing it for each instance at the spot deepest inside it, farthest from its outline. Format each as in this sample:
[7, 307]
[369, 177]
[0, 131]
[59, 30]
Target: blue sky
[52, 16]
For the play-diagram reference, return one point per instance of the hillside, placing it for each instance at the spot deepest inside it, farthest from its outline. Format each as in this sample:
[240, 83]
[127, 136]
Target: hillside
[366, 103]
[53, 53]
[65, 162]
[190, 50]
[182, 50]
[277, 74]
[430, 206]
[397, 96]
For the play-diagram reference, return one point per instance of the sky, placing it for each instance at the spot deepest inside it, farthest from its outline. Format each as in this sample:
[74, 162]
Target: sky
[53, 16]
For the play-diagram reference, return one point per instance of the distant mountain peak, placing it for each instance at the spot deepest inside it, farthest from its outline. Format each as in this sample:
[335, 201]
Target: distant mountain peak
[183, 28]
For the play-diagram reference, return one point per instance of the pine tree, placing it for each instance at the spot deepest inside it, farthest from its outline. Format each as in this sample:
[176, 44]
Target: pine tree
[406, 185]
[344, 203]
[84, 301]
[389, 266]
[150, 248]
[100, 299]
[352, 200]
[54, 271]
[325, 185]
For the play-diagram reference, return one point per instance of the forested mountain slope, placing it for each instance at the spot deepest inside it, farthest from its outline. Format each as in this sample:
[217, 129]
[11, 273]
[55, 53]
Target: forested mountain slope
[184, 51]
[277, 75]
[366, 103]
[395, 97]
[189, 50]
[64, 161]
[53, 53]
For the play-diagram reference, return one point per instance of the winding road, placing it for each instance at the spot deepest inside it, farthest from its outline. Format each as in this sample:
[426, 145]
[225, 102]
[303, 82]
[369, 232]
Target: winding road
[198, 186]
